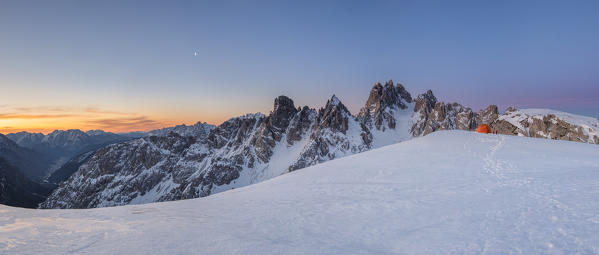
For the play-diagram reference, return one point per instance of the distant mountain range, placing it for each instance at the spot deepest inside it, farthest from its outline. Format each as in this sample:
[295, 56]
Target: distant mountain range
[33, 163]
[53, 150]
[59, 146]
[30, 162]
[199, 160]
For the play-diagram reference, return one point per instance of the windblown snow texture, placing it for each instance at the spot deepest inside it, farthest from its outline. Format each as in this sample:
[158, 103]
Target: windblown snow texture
[450, 192]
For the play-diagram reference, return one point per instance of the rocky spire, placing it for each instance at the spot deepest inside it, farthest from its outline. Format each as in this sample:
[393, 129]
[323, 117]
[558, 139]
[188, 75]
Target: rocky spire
[433, 115]
[282, 113]
[300, 124]
[387, 96]
[333, 116]
[425, 102]
[382, 102]
[403, 93]
[336, 132]
[273, 129]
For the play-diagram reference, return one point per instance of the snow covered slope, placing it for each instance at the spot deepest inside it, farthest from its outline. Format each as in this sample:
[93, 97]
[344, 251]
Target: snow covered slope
[450, 192]
[256, 147]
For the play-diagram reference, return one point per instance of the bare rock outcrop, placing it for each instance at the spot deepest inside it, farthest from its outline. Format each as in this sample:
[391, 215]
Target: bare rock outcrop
[488, 115]
[432, 115]
[384, 101]
[548, 124]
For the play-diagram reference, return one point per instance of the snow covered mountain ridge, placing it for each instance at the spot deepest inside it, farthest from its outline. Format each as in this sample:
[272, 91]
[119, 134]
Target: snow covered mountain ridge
[544, 123]
[197, 130]
[256, 147]
[61, 138]
[74, 137]
[450, 192]
[59, 146]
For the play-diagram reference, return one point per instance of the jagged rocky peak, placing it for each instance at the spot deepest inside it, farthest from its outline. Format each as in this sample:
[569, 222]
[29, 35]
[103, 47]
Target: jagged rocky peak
[384, 101]
[300, 124]
[403, 93]
[425, 102]
[435, 115]
[465, 118]
[273, 129]
[233, 131]
[382, 97]
[283, 112]
[488, 115]
[335, 133]
[334, 116]
[423, 106]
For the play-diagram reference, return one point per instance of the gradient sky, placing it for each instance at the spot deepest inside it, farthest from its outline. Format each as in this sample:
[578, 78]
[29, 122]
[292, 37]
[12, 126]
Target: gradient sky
[130, 65]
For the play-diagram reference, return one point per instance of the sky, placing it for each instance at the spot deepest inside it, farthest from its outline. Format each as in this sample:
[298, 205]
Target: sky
[132, 65]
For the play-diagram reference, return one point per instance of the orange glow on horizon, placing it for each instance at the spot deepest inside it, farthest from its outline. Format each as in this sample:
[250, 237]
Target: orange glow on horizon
[47, 120]
[43, 128]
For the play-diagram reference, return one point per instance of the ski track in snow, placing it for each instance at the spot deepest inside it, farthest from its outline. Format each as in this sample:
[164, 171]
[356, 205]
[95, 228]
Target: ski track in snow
[450, 192]
[499, 169]
[492, 165]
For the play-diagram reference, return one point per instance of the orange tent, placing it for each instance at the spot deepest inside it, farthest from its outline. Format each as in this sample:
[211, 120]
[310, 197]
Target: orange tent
[484, 128]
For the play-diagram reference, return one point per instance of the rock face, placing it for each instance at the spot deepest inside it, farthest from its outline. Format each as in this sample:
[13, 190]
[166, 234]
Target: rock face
[135, 161]
[382, 103]
[69, 168]
[284, 111]
[336, 133]
[432, 115]
[488, 115]
[257, 147]
[273, 128]
[542, 123]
